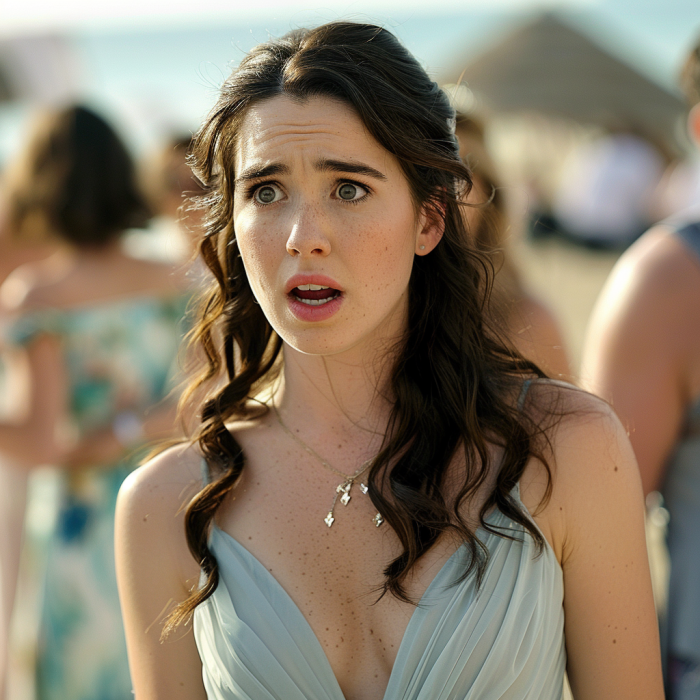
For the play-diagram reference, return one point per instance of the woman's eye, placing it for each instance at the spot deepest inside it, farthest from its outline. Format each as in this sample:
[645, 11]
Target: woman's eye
[266, 194]
[349, 192]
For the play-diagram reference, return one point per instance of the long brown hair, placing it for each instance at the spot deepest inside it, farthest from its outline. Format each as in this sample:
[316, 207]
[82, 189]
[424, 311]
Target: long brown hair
[453, 380]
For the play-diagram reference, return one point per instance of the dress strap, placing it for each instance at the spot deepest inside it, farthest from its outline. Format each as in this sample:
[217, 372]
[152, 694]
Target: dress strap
[523, 394]
[521, 402]
[206, 478]
[690, 235]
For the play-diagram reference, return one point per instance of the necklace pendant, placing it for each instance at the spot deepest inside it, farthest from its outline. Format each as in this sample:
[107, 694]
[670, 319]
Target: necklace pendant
[344, 488]
[377, 520]
[329, 519]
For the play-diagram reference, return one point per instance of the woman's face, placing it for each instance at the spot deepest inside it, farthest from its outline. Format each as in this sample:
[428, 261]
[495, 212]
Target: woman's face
[325, 224]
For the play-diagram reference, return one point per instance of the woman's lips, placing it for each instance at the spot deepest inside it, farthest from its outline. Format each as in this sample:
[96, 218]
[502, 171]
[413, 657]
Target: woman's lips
[315, 296]
[314, 304]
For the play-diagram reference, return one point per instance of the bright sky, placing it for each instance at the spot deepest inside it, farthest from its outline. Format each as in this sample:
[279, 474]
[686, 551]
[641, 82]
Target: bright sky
[33, 15]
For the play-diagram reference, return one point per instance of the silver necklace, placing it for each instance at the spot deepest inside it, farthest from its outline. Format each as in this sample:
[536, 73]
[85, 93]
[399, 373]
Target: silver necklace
[342, 490]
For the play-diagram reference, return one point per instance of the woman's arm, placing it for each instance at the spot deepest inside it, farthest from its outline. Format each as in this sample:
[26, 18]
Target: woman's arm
[155, 570]
[610, 622]
[39, 433]
[642, 343]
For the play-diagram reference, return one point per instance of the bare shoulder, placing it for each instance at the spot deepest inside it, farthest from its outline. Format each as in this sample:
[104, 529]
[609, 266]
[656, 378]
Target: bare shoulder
[590, 458]
[49, 284]
[584, 437]
[156, 276]
[647, 318]
[656, 270]
[165, 482]
[19, 290]
[152, 502]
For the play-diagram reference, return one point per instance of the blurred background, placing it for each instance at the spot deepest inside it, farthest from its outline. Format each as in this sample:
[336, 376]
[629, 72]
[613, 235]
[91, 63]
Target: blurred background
[577, 102]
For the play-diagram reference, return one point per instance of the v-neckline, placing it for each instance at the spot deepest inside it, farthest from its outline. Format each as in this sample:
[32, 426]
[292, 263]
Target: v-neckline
[411, 622]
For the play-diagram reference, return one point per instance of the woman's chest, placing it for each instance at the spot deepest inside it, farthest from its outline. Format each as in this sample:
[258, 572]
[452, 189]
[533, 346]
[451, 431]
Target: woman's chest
[333, 575]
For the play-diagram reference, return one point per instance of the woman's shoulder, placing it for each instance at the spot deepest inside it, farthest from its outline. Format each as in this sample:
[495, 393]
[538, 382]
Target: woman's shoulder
[657, 270]
[590, 459]
[166, 481]
[574, 424]
[155, 275]
[151, 509]
[48, 285]
[21, 286]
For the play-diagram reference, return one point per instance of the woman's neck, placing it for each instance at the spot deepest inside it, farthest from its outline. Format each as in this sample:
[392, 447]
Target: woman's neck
[337, 400]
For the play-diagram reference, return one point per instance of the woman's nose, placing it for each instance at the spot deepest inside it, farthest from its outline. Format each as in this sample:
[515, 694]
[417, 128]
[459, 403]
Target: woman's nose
[309, 235]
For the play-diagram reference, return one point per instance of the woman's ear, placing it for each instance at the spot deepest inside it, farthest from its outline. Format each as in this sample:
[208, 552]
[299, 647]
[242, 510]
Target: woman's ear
[431, 226]
[694, 124]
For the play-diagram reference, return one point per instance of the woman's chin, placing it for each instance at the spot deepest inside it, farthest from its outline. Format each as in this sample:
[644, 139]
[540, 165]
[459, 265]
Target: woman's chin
[317, 341]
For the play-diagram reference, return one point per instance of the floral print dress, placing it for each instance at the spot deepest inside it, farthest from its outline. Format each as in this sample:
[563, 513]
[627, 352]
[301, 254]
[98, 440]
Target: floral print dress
[120, 356]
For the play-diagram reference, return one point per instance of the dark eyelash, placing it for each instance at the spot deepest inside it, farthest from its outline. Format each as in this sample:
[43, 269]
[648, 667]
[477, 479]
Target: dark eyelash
[252, 189]
[345, 181]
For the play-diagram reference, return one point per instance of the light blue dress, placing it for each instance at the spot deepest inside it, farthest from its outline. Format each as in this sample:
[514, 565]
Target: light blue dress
[502, 641]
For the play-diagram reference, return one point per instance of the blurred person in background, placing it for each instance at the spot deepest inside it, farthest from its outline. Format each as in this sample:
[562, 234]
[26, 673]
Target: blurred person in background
[99, 332]
[606, 194]
[168, 182]
[643, 354]
[528, 323]
[14, 251]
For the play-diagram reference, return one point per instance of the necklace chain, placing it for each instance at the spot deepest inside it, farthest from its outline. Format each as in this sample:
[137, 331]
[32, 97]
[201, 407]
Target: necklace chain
[348, 479]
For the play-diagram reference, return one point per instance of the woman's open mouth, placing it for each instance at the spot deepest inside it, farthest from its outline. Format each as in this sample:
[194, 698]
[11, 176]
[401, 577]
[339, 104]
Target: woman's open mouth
[312, 302]
[314, 294]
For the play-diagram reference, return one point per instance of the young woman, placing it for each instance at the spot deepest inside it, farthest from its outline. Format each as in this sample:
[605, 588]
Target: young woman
[367, 443]
[98, 334]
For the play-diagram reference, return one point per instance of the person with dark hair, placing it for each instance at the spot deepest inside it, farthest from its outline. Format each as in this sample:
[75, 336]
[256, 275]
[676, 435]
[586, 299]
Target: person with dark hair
[99, 334]
[527, 322]
[643, 355]
[382, 499]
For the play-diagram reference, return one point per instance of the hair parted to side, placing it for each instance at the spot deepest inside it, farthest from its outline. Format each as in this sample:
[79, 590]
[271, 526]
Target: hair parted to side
[75, 180]
[453, 380]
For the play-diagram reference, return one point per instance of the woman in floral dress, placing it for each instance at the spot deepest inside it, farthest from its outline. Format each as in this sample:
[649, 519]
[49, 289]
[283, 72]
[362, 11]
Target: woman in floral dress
[100, 333]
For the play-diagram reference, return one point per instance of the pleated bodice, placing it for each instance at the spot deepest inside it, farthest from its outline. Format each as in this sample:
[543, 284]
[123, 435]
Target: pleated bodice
[501, 641]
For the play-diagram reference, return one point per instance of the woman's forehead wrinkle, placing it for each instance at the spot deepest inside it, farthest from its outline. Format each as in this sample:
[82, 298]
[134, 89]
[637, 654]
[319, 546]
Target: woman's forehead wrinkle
[275, 133]
[278, 135]
[265, 142]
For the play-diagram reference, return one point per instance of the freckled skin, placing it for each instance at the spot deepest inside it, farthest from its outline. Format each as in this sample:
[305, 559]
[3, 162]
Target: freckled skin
[367, 248]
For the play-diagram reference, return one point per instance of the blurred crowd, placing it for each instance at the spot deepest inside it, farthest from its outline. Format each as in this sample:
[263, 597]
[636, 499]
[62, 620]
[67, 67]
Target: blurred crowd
[98, 270]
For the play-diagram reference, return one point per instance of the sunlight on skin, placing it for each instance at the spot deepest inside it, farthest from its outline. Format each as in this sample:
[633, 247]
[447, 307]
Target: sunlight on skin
[364, 247]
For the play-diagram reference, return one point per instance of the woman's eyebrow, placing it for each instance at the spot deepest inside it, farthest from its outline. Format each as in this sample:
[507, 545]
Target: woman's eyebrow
[342, 166]
[255, 172]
